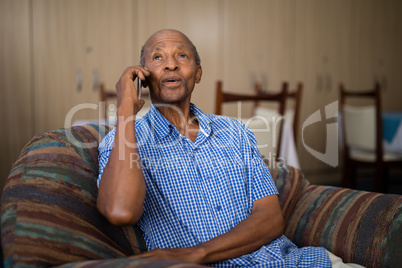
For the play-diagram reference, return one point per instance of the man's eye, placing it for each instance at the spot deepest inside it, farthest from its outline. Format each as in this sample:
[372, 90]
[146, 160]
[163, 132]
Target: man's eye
[157, 57]
[182, 56]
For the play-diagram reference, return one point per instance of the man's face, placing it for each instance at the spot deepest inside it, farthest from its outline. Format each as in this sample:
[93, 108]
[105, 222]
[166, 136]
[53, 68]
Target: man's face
[169, 56]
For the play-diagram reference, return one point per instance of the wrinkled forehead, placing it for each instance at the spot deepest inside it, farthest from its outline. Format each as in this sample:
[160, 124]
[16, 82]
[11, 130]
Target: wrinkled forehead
[163, 39]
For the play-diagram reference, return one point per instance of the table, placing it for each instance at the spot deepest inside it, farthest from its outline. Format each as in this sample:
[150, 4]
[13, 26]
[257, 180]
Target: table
[288, 152]
[288, 146]
[392, 131]
[267, 140]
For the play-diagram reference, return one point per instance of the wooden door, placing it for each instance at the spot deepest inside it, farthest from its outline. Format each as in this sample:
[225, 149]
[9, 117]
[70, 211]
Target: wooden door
[256, 46]
[16, 120]
[78, 45]
[321, 61]
[59, 34]
[387, 52]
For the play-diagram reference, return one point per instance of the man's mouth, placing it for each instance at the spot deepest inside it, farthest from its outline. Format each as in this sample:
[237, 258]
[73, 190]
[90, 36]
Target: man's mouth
[171, 80]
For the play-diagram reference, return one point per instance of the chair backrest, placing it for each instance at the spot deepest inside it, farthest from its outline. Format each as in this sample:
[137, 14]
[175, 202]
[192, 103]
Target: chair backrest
[265, 136]
[292, 113]
[362, 125]
[105, 96]
[265, 129]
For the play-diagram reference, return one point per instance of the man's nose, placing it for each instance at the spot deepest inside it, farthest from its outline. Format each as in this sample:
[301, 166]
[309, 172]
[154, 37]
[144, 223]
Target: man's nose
[171, 64]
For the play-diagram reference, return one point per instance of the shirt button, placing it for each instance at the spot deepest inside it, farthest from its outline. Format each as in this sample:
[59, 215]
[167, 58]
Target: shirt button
[218, 208]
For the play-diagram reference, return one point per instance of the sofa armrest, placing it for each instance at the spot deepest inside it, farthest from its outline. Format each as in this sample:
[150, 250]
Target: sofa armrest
[48, 208]
[360, 227]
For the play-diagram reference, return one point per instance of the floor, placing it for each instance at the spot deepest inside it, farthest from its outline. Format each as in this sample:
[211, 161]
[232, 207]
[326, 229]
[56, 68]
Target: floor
[365, 179]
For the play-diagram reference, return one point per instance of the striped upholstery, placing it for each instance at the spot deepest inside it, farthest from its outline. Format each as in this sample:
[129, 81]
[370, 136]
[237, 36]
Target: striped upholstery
[49, 215]
[290, 183]
[360, 227]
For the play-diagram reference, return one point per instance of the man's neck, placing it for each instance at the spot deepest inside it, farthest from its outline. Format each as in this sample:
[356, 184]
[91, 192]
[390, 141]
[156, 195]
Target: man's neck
[182, 118]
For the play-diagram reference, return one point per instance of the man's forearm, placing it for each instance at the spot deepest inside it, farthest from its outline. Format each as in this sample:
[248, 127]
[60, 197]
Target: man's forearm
[263, 226]
[122, 188]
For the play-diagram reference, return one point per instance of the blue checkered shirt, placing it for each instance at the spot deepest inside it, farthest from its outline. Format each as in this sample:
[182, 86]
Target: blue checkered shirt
[199, 190]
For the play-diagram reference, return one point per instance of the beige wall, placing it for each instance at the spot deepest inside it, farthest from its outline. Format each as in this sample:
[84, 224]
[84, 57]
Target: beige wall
[320, 43]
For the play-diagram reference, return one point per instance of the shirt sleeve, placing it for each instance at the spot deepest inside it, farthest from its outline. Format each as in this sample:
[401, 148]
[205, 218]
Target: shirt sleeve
[105, 148]
[260, 179]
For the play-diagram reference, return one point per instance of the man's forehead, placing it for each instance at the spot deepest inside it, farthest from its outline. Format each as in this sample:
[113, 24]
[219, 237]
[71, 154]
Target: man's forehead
[168, 37]
[163, 45]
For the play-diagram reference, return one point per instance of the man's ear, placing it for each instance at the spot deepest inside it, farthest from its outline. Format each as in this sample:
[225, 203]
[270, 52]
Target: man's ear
[198, 74]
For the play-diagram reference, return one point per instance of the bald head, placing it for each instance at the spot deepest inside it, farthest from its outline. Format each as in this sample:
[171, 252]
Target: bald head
[158, 34]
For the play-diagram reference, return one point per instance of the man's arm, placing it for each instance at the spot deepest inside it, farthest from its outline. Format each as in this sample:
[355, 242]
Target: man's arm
[122, 188]
[263, 226]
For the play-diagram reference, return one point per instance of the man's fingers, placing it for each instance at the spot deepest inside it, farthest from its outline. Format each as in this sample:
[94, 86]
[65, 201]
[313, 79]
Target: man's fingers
[126, 91]
[133, 72]
[143, 73]
[130, 74]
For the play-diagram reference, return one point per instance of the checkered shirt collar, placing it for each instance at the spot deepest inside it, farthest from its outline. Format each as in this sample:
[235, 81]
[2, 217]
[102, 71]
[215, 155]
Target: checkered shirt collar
[165, 127]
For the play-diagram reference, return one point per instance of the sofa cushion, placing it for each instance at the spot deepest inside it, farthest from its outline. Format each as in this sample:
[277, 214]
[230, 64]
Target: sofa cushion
[49, 213]
[360, 227]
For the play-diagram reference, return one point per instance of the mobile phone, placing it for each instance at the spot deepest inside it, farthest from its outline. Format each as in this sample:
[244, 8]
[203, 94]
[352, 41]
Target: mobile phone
[139, 88]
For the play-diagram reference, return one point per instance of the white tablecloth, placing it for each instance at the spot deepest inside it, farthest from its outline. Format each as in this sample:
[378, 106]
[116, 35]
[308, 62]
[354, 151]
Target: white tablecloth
[392, 128]
[266, 135]
[392, 132]
[288, 147]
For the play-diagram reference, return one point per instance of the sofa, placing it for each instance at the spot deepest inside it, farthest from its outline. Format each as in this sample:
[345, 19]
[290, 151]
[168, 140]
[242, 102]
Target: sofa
[49, 215]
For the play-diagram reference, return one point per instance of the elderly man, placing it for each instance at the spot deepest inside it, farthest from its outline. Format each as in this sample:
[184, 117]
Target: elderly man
[195, 183]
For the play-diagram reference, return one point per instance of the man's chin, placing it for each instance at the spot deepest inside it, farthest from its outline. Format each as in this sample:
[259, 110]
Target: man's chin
[172, 100]
[173, 96]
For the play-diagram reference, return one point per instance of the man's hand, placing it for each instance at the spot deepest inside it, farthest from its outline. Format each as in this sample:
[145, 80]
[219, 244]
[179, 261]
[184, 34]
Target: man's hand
[127, 99]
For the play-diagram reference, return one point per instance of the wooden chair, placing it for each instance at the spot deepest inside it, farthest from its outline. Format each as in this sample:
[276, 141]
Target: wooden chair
[363, 138]
[105, 96]
[279, 98]
[296, 96]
